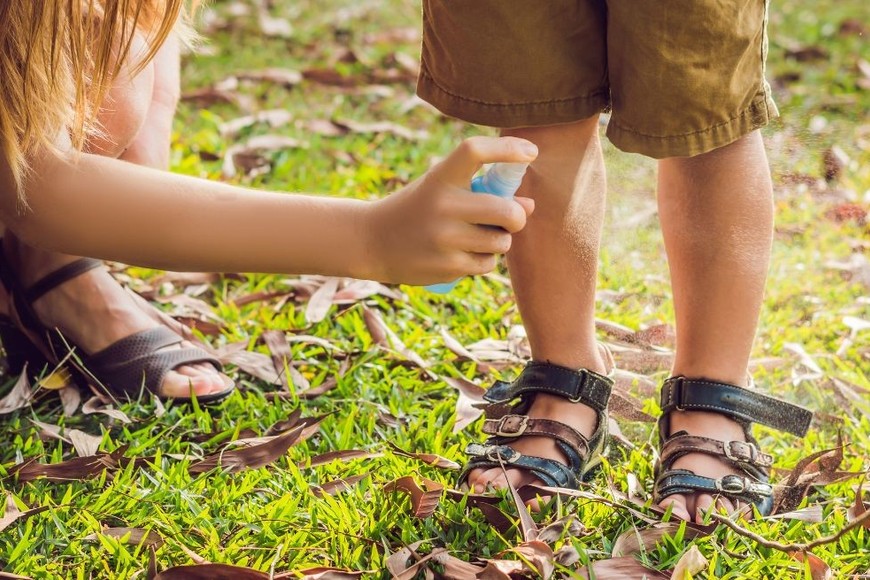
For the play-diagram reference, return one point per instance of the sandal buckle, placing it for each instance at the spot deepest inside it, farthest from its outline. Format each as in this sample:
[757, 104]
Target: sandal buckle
[677, 393]
[508, 427]
[732, 484]
[740, 451]
[497, 454]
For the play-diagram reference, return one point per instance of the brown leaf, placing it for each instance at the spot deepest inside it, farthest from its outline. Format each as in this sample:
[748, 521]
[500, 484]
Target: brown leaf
[568, 526]
[454, 568]
[382, 127]
[209, 96]
[20, 396]
[70, 398]
[627, 407]
[639, 540]
[248, 156]
[321, 573]
[284, 77]
[657, 335]
[272, 117]
[251, 457]
[272, 26]
[567, 555]
[834, 160]
[356, 290]
[321, 301]
[807, 53]
[819, 570]
[427, 458]
[691, 562]
[76, 469]
[811, 514]
[383, 336]
[397, 563]
[13, 514]
[494, 516]
[84, 443]
[858, 508]
[538, 556]
[337, 485]
[211, 572]
[852, 27]
[620, 569]
[134, 536]
[95, 405]
[256, 364]
[615, 330]
[424, 498]
[282, 358]
[331, 76]
[321, 389]
[469, 402]
[527, 524]
[334, 456]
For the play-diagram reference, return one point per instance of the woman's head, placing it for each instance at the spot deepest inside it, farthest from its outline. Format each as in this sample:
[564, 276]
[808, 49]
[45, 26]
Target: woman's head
[57, 60]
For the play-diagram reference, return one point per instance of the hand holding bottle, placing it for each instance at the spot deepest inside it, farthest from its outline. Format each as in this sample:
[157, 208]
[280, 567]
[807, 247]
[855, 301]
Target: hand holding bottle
[434, 231]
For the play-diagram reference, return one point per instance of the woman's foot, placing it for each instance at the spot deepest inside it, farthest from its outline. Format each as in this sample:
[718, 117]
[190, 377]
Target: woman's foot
[93, 311]
[692, 507]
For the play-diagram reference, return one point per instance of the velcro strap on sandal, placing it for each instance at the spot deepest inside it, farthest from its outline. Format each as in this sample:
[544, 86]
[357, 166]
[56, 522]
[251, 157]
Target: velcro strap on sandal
[578, 386]
[682, 394]
[737, 452]
[511, 426]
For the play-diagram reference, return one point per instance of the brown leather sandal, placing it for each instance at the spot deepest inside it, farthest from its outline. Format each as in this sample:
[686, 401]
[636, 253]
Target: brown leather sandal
[742, 405]
[506, 422]
[124, 369]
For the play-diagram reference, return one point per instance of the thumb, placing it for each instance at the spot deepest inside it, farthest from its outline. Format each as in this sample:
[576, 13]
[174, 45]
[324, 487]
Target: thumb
[463, 163]
[527, 203]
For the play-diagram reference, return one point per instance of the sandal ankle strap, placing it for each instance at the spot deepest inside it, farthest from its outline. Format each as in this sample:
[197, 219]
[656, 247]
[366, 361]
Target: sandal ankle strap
[682, 394]
[578, 386]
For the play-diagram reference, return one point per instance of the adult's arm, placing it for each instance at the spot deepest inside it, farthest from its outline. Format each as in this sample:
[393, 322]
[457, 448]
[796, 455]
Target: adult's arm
[431, 230]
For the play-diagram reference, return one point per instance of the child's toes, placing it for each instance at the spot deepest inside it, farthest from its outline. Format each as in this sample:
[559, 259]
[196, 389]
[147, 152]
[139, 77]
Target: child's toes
[679, 506]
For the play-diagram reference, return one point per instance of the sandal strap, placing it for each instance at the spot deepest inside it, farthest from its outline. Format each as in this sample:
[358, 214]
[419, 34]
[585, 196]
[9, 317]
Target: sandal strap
[683, 481]
[551, 472]
[738, 453]
[512, 426]
[63, 274]
[682, 394]
[127, 365]
[578, 386]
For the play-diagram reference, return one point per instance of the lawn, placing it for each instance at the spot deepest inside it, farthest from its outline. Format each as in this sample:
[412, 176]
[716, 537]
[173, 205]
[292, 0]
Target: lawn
[363, 385]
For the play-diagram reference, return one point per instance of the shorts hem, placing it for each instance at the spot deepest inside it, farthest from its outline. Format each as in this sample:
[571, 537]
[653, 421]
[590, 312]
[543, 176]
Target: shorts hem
[759, 113]
[511, 115]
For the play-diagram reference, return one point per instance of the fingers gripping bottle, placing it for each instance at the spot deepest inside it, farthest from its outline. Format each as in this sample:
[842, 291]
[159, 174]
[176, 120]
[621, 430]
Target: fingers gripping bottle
[503, 180]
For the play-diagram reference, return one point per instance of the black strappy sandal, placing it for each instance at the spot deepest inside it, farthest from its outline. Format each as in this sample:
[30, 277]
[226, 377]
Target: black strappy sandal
[742, 405]
[506, 422]
[123, 369]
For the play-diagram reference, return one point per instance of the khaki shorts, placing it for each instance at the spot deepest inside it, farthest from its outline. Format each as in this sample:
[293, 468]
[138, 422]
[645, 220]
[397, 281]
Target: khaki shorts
[681, 77]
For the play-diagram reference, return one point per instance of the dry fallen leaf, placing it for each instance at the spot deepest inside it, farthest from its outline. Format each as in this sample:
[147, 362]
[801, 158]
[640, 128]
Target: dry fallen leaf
[335, 456]
[382, 127]
[424, 498]
[95, 405]
[819, 570]
[211, 572]
[691, 562]
[250, 457]
[469, 402]
[248, 156]
[20, 396]
[321, 573]
[337, 485]
[621, 569]
[13, 514]
[321, 301]
[134, 536]
[272, 117]
[638, 540]
[428, 458]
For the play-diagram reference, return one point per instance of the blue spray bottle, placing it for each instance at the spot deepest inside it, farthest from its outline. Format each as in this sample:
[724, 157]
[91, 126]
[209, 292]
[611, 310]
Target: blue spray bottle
[503, 180]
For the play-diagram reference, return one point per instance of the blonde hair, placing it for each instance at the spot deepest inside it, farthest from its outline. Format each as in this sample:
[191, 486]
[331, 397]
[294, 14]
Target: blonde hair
[58, 59]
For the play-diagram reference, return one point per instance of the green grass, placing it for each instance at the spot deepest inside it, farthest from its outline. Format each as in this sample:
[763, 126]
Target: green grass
[269, 519]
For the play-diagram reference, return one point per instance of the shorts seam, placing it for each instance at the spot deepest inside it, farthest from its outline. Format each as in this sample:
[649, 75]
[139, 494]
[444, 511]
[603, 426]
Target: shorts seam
[749, 111]
[586, 97]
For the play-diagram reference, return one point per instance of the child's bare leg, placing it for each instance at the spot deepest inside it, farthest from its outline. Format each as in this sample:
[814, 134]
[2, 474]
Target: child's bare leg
[553, 264]
[717, 218]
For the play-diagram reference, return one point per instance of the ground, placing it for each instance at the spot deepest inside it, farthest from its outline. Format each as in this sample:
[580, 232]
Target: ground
[384, 358]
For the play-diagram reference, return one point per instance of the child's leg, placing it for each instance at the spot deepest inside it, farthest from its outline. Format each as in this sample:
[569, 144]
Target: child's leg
[717, 219]
[553, 265]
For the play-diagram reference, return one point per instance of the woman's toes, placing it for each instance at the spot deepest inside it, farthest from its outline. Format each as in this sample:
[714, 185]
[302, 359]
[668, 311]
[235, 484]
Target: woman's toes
[182, 386]
[678, 504]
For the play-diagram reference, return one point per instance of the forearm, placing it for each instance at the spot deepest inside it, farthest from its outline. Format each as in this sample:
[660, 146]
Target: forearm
[114, 210]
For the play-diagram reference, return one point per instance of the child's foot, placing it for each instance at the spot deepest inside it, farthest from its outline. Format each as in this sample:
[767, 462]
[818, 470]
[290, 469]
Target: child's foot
[576, 415]
[554, 427]
[692, 507]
